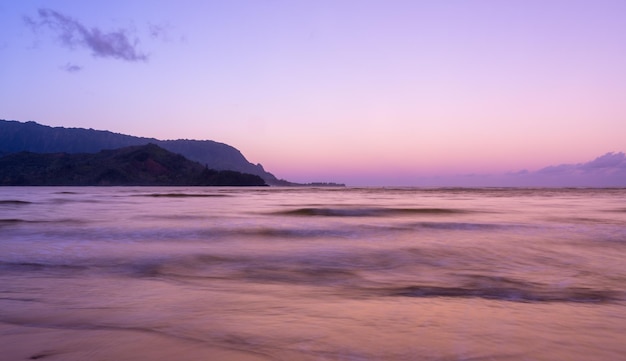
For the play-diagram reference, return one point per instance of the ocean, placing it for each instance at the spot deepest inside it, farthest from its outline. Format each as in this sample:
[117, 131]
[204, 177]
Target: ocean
[270, 273]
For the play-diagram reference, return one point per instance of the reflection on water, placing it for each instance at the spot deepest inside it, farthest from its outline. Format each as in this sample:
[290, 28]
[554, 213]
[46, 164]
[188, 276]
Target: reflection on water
[312, 274]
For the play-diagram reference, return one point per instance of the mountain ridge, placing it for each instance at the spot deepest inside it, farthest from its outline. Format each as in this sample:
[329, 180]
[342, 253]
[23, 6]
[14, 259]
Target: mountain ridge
[143, 165]
[16, 136]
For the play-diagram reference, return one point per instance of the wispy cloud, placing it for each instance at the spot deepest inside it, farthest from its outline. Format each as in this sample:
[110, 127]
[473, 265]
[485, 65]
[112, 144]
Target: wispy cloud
[159, 31]
[119, 44]
[71, 68]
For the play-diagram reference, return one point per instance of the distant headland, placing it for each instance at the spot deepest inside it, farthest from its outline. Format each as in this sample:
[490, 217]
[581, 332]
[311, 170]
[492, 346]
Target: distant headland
[32, 137]
[49, 146]
[145, 165]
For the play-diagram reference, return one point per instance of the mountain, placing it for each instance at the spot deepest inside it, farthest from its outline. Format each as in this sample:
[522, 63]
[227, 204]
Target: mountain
[33, 137]
[145, 165]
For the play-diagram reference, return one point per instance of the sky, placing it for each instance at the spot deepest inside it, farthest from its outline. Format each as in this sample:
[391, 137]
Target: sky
[358, 92]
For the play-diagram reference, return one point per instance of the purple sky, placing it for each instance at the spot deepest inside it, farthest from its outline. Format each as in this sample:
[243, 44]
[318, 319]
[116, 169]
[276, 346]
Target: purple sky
[361, 92]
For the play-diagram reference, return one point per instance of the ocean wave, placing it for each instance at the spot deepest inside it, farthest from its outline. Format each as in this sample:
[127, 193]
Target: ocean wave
[9, 221]
[39, 266]
[367, 212]
[19, 221]
[350, 276]
[182, 195]
[14, 202]
[460, 226]
[577, 295]
[286, 232]
[296, 270]
[15, 221]
[506, 289]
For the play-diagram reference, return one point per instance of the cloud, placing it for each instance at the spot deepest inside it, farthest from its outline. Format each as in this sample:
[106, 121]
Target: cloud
[608, 170]
[606, 164]
[159, 31]
[610, 160]
[73, 34]
[164, 32]
[71, 68]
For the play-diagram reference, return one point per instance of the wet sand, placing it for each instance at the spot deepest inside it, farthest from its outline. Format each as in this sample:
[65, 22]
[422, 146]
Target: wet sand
[42, 343]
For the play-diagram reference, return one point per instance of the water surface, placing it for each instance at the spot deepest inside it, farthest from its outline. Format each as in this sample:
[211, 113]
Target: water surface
[312, 273]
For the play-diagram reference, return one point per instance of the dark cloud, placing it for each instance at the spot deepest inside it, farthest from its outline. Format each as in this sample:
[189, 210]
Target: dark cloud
[72, 68]
[72, 34]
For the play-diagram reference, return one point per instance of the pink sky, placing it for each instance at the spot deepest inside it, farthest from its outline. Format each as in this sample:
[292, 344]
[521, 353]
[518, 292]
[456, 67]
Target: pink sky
[362, 92]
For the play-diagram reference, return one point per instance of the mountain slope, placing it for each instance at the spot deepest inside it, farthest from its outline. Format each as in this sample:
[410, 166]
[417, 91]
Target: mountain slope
[146, 165]
[33, 137]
